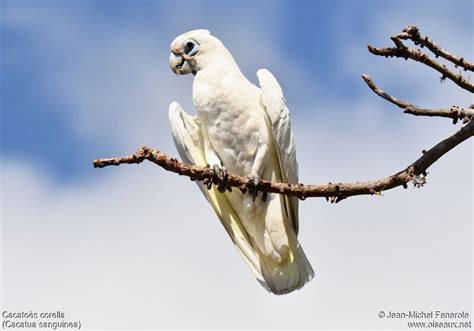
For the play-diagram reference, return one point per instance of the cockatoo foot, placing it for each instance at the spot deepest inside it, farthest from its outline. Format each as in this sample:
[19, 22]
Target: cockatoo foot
[254, 183]
[220, 178]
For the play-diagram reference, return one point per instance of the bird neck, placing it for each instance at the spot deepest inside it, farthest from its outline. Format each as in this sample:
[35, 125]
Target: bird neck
[219, 59]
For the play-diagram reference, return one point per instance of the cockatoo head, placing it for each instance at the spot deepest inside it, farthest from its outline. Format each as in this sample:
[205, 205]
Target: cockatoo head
[193, 50]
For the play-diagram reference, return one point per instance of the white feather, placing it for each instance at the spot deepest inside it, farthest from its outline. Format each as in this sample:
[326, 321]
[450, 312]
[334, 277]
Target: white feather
[190, 144]
[246, 129]
[279, 116]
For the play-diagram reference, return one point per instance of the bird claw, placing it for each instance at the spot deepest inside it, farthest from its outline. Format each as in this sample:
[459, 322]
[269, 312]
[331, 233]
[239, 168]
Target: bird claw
[207, 182]
[254, 182]
[220, 178]
[335, 198]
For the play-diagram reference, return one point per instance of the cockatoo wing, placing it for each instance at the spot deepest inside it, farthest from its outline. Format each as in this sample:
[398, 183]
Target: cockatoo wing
[279, 116]
[186, 134]
[190, 142]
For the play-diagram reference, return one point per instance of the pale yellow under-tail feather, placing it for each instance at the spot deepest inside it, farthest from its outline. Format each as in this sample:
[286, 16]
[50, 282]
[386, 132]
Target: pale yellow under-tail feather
[279, 278]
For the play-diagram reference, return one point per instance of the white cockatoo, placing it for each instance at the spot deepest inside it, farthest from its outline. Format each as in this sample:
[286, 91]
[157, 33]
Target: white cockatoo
[246, 130]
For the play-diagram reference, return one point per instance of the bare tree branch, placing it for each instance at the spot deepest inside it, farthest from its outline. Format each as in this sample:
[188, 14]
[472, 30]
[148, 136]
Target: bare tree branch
[402, 51]
[455, 112]
[413, 33]
[415, 172]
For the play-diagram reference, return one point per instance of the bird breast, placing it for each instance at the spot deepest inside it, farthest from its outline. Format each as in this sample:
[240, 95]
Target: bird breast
[229, 109]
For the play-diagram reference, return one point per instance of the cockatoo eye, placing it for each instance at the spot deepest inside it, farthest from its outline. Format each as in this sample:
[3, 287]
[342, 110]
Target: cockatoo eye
[191, 47]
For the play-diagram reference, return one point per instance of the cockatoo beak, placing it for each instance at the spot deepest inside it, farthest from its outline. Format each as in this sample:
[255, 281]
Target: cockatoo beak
[179, 64]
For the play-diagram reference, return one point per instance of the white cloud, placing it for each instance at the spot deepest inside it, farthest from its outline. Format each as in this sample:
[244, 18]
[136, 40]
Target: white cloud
[126, 246]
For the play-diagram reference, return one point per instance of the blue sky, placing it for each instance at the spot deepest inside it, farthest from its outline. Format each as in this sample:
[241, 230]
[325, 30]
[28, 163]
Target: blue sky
[37, 125]
[87, 79]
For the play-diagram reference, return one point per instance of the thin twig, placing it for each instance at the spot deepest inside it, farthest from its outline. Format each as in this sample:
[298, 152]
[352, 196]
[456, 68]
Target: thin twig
[401, 51]
[455, 112]
[415, 172]
[413, 33]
